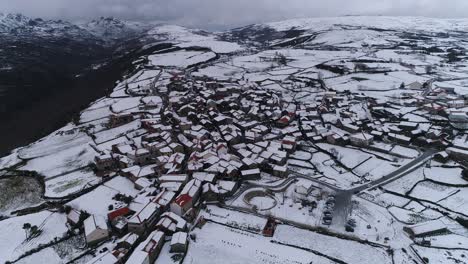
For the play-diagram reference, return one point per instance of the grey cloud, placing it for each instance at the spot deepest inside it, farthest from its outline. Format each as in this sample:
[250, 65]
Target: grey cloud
[229, 13]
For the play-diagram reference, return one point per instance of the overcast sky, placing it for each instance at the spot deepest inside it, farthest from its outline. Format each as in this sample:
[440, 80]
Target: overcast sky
[217, 14]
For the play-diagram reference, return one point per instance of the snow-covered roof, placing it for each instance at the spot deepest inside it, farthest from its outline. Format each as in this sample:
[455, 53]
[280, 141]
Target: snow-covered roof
[179, 238]
[93, 223]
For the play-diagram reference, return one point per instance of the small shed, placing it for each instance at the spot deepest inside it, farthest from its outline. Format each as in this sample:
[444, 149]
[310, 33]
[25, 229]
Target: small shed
[179, 242]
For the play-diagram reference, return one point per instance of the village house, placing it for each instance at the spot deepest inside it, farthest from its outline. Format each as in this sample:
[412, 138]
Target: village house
[408, 126]
[251, 174]
[280, 171]
[399, 138]
[428, 228]
[95, 230]
[349, 127]
[142, 183]
[289, 143]
[164, 199]
[120, 119]
[458, 119]
[210, 192]
[361, 139]
[148, 250]
[182, 178]
[118, 220]
[204, 177]
[187, 198]
[144, 219]
[457, 153]
[73, 217]
[140, 156]
[105, 162]
[136, 172]
[124, 245]
[171, 223]
[456, 103]
[179, 242]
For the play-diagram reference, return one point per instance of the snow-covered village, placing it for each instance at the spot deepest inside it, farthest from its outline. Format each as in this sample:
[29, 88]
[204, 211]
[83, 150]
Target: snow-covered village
[338, 140]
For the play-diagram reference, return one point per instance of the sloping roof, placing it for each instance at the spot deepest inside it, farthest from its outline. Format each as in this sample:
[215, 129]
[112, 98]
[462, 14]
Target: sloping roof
[179, 238]
[119, 212]
[183, 199]
[94, 222]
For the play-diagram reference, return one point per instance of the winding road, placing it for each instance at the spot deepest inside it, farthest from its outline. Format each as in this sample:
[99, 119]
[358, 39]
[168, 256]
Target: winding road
[343, 198]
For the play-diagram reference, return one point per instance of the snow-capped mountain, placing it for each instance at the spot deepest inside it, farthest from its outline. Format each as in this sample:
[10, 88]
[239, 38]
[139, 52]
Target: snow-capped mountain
[9, 22]
[105, 29]
[111, 28]
[371, 30]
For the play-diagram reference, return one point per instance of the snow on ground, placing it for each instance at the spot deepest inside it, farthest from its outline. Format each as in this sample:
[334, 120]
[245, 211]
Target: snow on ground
[233, 218]
[165, 256]
[62, 252]
[446, 175]
[288, 206]
[455, 199]
[110, 134]
[47, 255]
[220, 71]
[408, 216]
[383, 22]
[384, 199]
[10, 160]
[96, 113]
[444, 256]
[54, 143]
[375, 223]
[352, 38]
[449, 241]
[76, 156]
[405, 183]
[125, 104]
[404, 151]
[70, 183]
[345, 250]
[97, 201]
[373, 82]
[12, 240]
[182, 58]
[216, 243]
[184, 37]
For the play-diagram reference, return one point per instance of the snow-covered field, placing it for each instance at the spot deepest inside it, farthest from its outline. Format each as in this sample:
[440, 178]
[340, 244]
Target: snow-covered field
[181, 58]
[97, 201]
[217, 243]
[13, 241]
[354, 253]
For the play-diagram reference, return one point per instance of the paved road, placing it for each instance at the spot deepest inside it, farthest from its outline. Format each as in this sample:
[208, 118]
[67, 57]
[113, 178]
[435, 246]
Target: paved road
[400, 172]
[343, 198]
[322, 183]
[274, 188]
[343, 205]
